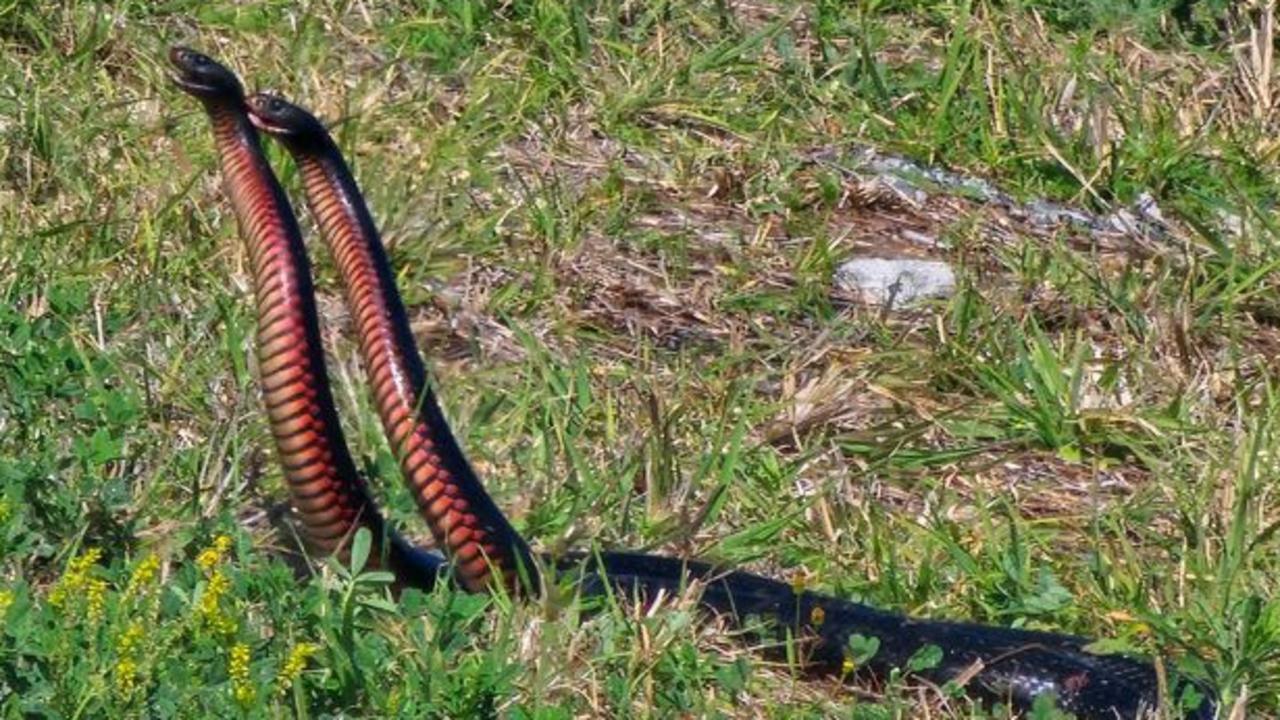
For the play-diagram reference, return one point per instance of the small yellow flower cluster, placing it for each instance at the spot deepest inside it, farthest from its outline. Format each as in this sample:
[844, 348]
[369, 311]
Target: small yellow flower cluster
[210, 608]
[6, 599]
[238, 670]
[126, 676]
[77, 581]
[143, 575]
[127, 646]
[74, 579]
[95, 593]
[293, 666]
[798, 583]
[211, 611]
[131, 639]
[82, 565]
[130, 649]
[212, 555]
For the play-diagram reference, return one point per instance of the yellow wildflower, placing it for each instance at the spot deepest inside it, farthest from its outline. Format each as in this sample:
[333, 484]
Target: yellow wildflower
[81, 565]
[213, 554]
[238, 660]
[76, 580]
[848, 665]
[207, 558]
[6, 599]
[131, 639]
[238, 670]
[126, 675]
[798, 583]
[211, 600]
[293, 665]
[127, 646]
[210, 608]
[143, 574]
[95, 593]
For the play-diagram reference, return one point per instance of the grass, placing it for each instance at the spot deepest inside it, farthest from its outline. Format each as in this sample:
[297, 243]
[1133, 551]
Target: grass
[616, 226]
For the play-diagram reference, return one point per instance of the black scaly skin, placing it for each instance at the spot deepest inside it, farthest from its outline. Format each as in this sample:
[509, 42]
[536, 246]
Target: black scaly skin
[326, 491]
[473, 532]
[1017, 665]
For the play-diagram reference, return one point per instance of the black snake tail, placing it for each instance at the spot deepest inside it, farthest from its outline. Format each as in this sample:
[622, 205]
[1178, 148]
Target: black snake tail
[1003, 665]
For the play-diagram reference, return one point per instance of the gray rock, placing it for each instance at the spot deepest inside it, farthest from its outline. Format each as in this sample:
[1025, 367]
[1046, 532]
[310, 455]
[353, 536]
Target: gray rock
[1047, 214]
[896, 281]
[909, 171]
[916, 182]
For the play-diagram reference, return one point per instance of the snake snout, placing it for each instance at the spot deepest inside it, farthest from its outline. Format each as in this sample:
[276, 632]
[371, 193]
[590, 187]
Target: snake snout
[266, 112]
[202, 76]
[276, 116]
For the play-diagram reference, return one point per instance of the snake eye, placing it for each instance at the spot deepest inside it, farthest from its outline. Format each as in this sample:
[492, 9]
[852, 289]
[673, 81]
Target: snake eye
[276, 105]
[199, 60]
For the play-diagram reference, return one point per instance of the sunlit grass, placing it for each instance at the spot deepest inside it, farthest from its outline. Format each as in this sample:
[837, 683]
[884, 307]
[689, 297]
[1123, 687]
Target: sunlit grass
[615, 225]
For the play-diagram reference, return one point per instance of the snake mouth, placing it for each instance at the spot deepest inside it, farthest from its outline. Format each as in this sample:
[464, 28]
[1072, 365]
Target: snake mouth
[267, 126]
[200, 75]
[280, 118]
[192, 86]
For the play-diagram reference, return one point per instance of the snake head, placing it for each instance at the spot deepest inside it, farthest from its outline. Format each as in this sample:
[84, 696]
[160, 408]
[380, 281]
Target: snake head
[283, 120]
[202, 76]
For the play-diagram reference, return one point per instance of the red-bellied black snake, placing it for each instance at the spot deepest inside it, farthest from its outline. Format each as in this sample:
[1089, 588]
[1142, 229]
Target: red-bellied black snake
[463, 518]
[323, 484]
[1005, 665]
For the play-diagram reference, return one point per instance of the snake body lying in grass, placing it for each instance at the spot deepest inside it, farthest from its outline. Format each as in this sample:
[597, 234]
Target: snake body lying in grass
[996, 664]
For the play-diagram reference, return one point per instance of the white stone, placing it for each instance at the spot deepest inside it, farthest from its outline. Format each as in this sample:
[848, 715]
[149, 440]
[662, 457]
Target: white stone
[898, 281]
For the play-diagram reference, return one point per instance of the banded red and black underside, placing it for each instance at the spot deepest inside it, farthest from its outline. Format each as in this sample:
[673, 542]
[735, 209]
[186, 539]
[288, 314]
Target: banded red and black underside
[330, 499]
[464, 519]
